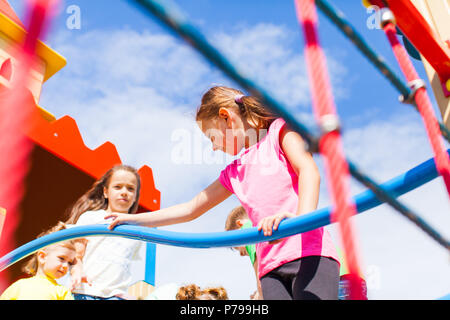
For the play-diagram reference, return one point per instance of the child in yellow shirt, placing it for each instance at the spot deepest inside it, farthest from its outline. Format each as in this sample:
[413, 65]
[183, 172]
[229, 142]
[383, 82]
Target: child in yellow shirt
[45, 267]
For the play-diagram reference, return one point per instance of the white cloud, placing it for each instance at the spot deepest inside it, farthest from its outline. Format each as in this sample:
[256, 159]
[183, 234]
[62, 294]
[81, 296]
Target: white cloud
[267, 53]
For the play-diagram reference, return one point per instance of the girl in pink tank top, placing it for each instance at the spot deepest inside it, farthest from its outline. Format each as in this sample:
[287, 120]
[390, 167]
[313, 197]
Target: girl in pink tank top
[274, 178]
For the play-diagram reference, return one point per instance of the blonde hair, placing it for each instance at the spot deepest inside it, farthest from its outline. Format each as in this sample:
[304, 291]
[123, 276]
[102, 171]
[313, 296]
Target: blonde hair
[94, 199]
[249, 107]
[194, 292]
[235, 215]
[32, 265]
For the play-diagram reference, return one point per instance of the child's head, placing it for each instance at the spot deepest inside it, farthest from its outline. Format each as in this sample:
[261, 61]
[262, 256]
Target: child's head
[194, 292]
[55, 260]
[235, 220]
[118, 190]
[230, 119]
[216, 293]
[189, 292]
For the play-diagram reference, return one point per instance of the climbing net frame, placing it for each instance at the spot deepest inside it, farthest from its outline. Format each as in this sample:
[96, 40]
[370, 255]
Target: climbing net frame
[171, 17]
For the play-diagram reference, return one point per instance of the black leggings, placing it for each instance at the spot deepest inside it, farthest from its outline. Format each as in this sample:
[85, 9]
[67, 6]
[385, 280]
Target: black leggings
[308, 278]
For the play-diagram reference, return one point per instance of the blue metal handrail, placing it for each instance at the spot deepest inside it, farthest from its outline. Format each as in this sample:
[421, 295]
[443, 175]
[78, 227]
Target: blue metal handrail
[366, 200]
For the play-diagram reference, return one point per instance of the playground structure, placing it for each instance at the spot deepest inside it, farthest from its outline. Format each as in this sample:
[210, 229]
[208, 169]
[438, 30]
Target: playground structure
[437, 65]
[58, 149]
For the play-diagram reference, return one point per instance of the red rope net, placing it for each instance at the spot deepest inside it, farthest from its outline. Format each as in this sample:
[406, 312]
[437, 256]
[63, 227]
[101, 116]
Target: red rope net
[330, 145]
[424, 106]
[16, 106]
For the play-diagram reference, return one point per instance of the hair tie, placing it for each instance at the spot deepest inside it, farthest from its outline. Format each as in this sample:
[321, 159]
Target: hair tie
[238, 99]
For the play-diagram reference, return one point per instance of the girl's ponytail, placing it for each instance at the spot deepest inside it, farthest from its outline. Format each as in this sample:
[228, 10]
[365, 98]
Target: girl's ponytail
[223, 97]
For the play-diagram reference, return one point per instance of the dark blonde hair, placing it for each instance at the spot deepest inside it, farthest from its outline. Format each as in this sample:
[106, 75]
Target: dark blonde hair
[235, 214]
[249, 107]
[194, 292]
[94, 198]
[32, 265]
[216, 293]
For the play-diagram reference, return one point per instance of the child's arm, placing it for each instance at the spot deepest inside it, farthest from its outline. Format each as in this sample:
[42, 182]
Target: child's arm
[184, 212]
[308, 180]
[305, 167]
[76, 273]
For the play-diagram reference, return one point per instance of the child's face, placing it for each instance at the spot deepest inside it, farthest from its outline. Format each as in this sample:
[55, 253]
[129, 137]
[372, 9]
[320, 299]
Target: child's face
[121, 191]
[226, 138]
[56, 261]
[239, 223]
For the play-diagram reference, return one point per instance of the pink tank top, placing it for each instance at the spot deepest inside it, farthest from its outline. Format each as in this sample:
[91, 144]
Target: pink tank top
[266, 184]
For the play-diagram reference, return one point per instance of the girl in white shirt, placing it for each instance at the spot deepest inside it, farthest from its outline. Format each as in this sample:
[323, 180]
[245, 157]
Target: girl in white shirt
[104, 273]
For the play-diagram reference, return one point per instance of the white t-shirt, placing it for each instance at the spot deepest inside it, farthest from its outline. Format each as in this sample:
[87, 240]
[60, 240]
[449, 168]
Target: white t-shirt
[107, 260]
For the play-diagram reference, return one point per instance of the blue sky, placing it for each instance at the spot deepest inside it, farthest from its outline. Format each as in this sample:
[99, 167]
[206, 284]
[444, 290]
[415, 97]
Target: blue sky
[131, 82]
